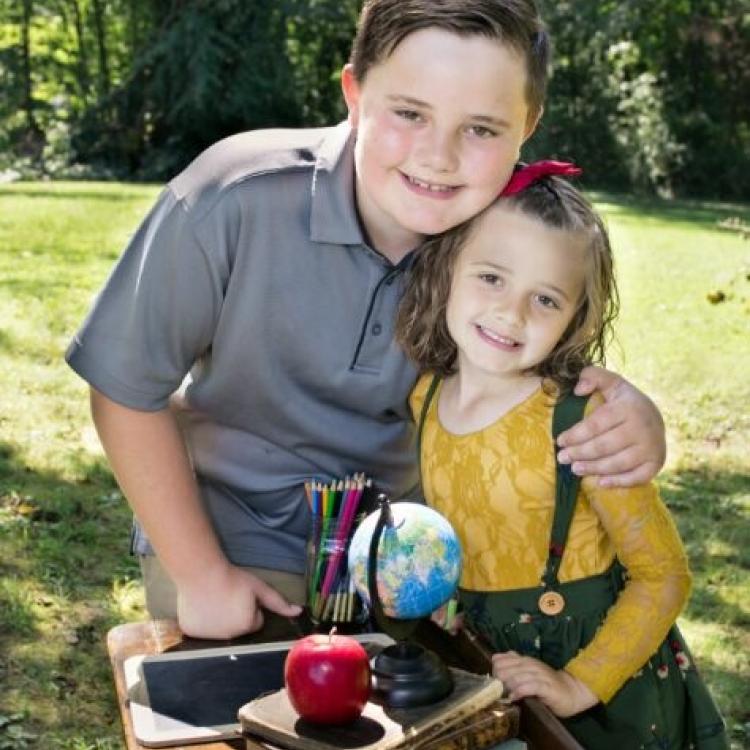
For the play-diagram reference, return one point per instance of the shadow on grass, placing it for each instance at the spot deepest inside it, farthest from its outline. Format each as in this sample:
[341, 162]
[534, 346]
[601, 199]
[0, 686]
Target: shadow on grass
[63, 545]
[61, 538]
[710, 509]
[6, 341]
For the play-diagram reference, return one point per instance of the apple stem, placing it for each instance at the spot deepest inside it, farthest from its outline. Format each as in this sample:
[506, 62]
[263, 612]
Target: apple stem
[331, 634]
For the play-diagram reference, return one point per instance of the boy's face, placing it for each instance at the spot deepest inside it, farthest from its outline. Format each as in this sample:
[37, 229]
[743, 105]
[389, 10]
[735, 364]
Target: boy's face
[440, 124]
[516, 286]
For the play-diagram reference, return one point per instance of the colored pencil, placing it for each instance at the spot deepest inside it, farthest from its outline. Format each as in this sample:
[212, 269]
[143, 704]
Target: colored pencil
[334, 504]
[341, 535]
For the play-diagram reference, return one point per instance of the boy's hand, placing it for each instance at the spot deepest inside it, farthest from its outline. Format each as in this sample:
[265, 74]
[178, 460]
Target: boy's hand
[622, 441]
[523, 677]
[227, 604]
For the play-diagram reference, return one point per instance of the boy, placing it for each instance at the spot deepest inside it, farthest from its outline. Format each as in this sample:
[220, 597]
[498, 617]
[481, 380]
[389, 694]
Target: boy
[270, 271]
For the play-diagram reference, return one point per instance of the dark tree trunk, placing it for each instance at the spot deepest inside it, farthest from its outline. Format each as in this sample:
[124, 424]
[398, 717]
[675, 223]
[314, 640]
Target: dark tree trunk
[100, 29]
[28, 98]
[31, 142]
[84, 82]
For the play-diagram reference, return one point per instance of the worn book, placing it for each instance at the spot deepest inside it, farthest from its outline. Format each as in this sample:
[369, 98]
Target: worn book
[273, 720]
[483, 730]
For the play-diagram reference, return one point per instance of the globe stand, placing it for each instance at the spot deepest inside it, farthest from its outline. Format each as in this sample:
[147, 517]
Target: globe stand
[404, 674]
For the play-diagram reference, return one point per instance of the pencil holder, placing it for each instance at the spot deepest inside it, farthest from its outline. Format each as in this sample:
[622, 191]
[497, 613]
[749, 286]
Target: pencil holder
[331, 598]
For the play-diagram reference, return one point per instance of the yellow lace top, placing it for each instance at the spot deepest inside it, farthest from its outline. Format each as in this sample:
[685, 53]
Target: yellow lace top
[497, 488]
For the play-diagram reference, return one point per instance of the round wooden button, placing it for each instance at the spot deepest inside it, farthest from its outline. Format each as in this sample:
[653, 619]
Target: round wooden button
[551, 603]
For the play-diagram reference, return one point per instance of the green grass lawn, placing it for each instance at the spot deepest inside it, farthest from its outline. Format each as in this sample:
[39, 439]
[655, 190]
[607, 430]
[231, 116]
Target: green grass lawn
[65, 575]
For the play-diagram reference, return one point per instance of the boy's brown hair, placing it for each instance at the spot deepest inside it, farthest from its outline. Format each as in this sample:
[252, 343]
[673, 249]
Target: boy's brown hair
[383, 24]
[421, 326]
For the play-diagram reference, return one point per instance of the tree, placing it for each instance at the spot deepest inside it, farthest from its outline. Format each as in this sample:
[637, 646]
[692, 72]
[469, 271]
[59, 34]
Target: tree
[81, 51]
[651, 96]
[31, 139]
[100, 30]
[212, 69]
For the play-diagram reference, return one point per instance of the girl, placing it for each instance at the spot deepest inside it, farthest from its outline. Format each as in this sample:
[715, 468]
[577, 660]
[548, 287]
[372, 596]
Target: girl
[502, 314]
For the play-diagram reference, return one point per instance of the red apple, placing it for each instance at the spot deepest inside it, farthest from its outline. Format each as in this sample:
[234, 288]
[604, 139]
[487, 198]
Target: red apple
[327, 678]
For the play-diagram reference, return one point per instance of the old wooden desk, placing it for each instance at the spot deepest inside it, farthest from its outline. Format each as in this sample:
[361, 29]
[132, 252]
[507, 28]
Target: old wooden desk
[539, 728]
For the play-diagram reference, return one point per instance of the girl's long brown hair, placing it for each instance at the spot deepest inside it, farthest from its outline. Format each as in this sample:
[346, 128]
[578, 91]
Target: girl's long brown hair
[421, 326]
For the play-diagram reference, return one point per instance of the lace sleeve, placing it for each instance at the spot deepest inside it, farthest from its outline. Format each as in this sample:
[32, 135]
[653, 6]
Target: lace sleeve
[648, 545]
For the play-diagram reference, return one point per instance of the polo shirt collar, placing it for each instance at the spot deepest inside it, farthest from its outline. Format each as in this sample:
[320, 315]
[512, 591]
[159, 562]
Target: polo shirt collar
[333, 213]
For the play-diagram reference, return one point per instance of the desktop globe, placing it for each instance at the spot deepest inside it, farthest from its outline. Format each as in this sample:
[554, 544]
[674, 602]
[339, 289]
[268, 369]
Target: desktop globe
[405, 562]
[418, 561]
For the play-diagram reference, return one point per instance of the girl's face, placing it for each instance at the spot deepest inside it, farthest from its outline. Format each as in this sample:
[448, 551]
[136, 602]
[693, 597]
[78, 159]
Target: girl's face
[516, 286]
[440, 124]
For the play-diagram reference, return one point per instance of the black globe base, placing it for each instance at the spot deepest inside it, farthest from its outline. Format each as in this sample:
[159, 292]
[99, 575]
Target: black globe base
[405, 675]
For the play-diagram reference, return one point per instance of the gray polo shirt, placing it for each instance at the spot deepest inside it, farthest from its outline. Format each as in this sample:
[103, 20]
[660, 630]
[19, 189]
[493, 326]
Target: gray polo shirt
[250, 291]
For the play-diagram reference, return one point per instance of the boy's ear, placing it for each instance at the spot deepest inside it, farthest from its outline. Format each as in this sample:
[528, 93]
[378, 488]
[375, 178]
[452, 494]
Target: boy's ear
[532, 124]
[350, 89]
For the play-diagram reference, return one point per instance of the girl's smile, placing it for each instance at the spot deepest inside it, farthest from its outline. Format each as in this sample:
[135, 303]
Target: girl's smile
[505, 343]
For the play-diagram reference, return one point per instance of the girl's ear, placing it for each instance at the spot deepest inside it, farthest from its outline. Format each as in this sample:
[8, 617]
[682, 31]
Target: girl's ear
[351, 90]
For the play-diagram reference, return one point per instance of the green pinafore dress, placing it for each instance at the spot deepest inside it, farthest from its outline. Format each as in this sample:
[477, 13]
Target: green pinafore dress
[664, 706]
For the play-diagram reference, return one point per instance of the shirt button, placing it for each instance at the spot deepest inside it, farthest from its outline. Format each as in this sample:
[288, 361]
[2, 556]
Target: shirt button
[377, 329]
[390, 280]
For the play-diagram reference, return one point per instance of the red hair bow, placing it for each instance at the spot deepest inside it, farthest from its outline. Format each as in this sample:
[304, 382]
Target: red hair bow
[530, 173]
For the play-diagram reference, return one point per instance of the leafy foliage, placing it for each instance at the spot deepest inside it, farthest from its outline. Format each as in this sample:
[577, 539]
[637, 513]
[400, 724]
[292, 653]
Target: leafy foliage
[651, 96]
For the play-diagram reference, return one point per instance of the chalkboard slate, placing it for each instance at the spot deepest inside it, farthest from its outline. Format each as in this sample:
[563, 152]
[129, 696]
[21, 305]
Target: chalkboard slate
[209, 690]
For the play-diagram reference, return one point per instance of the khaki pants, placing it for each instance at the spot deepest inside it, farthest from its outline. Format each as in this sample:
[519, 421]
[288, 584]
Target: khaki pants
[161, 593]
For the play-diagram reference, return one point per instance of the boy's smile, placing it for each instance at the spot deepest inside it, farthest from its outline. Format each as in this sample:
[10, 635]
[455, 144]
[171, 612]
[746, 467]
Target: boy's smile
[430, 189]
[440, 123]
[515, 288]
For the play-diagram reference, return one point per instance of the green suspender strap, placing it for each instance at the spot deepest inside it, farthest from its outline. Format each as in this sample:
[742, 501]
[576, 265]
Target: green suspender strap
[568, 411]
[423, 416]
